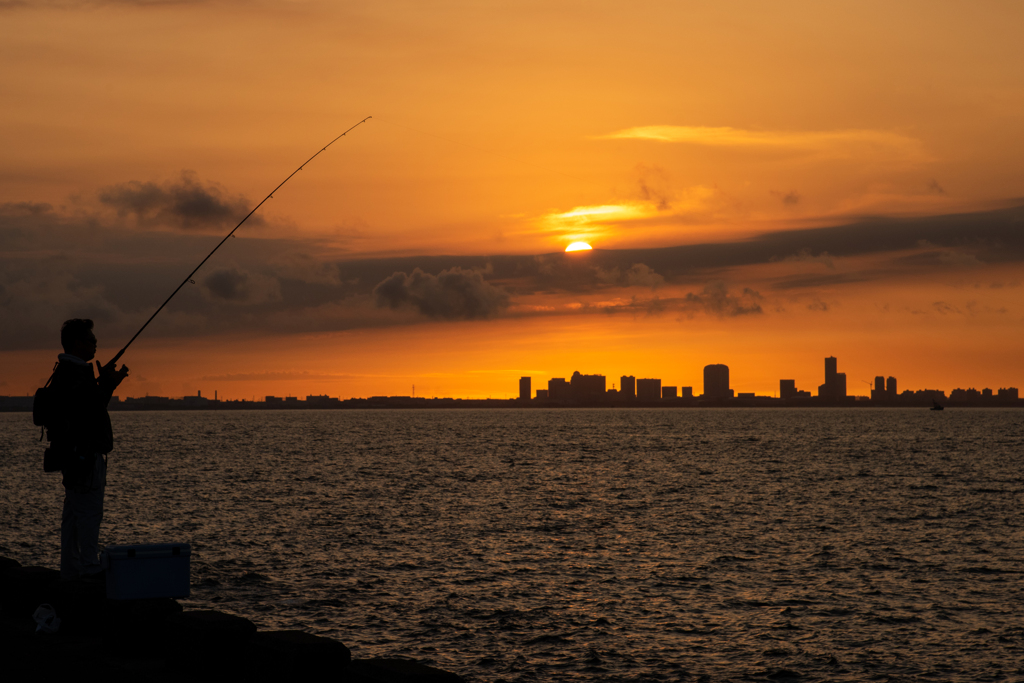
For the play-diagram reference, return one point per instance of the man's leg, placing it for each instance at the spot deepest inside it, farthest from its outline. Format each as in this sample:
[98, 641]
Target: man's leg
[89, 518]
[80, 524]
[70, 561]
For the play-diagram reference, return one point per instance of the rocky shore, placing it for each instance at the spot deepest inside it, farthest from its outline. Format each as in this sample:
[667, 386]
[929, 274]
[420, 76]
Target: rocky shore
[157, 640]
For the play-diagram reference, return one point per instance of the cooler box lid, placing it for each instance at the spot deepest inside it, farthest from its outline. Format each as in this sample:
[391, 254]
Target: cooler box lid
[148, 551]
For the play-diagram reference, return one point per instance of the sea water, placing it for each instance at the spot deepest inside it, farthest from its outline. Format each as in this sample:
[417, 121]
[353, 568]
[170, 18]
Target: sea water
[583, 545]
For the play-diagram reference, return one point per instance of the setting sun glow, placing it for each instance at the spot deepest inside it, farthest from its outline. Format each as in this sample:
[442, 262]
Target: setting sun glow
[578, 246]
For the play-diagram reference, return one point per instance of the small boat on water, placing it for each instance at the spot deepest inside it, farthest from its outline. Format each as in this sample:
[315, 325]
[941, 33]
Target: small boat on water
[936, 406]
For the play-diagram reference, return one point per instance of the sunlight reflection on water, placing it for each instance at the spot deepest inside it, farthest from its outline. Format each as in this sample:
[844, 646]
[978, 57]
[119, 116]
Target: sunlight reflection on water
[583, 544]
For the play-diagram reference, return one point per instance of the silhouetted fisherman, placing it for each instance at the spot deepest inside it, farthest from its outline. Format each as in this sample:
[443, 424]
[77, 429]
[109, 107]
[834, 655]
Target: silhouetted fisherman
[81, 436]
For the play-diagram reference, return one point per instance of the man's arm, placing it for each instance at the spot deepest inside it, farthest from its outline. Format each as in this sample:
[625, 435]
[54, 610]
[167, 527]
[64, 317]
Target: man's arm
[109, 378]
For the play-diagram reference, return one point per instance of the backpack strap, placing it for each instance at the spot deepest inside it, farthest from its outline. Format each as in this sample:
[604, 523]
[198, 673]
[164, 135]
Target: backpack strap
[42, 429]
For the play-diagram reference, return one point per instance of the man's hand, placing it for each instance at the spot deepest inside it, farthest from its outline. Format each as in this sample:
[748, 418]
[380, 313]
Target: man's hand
[109, 374]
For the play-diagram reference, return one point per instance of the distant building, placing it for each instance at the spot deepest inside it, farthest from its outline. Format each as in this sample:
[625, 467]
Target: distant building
[648, 389]
[586, 387]
[787, 388]
[878, 392]
[542, 393]
[525, 388]
[22, 402]
[1010, 393]
[716, 381]
[986, 393]
[627, 386]
[196, 401]
[322, 401]
[834, 387]
[669, 392]
[687, 392]
[558, 389]
[965, 396]
[890, 388]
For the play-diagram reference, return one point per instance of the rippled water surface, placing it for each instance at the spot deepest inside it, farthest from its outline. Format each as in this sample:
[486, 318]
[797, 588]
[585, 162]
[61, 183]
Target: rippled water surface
[605, 545]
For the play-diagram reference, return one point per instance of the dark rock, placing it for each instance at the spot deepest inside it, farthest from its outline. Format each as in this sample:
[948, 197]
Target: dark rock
[25, 588]
[7, 564]
[79, 604]
[155, 641]
[207, 639]
[211, 625]
[287, 654]
[394, 671]
[138, 627]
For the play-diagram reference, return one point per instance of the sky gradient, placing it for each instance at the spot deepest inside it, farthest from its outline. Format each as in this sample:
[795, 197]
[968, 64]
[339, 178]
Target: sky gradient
[764, 185]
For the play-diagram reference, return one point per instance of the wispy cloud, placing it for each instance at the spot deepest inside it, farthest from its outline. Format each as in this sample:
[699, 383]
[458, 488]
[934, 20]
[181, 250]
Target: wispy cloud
[840, 142]
[187, 204]
[591, 222]
[715, 299]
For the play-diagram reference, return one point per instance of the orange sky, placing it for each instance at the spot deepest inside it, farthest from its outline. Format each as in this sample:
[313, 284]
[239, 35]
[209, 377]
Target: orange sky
[765, 185]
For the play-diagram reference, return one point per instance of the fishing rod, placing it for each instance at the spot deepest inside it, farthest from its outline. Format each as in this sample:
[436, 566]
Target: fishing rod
[188, 278]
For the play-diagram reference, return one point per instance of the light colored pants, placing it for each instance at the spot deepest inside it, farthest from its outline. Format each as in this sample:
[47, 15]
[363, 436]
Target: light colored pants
[80, 524]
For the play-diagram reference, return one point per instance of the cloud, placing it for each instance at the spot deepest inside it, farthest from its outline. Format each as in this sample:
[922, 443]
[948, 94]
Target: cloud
[716, 300]
[228, 284]
[817, 305]
[655, 187]
[819, 281]
[186, 204]
[453, 294]
[57, 264]
[835, 142]
[24, 208]
[640, 275]
[790, 198]
[637, 275]
[805, 256]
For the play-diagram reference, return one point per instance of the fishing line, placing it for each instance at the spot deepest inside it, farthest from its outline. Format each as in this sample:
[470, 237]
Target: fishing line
[188, 278]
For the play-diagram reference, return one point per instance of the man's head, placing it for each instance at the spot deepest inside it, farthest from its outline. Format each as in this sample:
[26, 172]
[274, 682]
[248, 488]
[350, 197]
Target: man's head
[77, 338]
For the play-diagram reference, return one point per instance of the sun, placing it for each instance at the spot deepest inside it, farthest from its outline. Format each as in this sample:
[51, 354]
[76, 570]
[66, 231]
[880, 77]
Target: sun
[579, 246]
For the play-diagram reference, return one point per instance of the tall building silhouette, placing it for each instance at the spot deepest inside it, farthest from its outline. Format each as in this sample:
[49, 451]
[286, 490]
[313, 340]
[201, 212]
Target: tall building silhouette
[878, 391]
[787, 388]
[524, 388]
[835, 382]
[627, 386]
[716, 381]
[586, 386]
[890, 387]
[648, 389]
[558, 389]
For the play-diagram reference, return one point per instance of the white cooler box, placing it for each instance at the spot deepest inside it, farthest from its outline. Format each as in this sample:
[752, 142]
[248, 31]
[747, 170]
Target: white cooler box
[156, 570]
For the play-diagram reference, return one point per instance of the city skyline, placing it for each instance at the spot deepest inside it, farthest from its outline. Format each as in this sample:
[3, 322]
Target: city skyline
[592, 389]
[820, 179]
[717, 386]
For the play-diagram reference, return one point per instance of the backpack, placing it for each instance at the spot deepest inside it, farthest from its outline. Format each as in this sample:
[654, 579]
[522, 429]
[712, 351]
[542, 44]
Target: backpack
[44, 410]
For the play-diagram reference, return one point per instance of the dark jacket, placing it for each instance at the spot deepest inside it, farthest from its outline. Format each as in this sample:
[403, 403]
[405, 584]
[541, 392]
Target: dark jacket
[80, 429]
